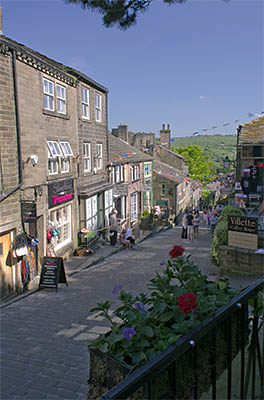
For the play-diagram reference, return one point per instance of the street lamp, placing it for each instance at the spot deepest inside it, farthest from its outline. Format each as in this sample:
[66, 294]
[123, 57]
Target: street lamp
[227, 162]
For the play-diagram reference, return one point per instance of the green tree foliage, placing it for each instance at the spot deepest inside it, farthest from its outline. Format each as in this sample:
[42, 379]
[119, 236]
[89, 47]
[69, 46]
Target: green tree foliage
[200, 167]
[122, 13]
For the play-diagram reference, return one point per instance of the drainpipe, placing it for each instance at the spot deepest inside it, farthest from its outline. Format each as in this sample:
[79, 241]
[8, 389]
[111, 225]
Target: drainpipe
[237, 156]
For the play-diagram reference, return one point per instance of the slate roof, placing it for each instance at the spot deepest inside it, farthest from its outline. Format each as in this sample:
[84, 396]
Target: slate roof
[40, 61]
[122, 152]
[167, 171]
[252, 132]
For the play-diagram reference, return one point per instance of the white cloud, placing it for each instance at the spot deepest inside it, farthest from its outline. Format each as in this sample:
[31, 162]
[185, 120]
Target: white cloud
[203, 97]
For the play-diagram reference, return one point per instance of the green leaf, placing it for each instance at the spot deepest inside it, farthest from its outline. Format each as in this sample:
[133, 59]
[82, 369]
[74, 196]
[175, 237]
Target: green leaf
[104, 347]
[144, 343]
[159, 307]
[137, 357]
[148, 331]
[166, 316]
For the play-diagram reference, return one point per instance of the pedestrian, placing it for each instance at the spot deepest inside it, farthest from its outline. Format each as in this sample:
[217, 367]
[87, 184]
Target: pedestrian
[113, 225]
[196, 221]
[214, 222]
[209, 216]
[125, 242]
[190, 225]
[184, 226]
[205, 216]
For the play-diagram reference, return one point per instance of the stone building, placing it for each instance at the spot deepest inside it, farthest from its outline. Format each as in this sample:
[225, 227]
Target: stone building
[250, 160]
[131, 173]
[54, 150]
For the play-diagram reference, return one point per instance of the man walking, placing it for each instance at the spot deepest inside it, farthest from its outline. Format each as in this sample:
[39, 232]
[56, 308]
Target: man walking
[190, 225]
[113, 222]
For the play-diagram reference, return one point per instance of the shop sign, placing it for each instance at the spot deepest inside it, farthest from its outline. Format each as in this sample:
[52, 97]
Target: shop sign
[120, 189]
[60, 192]
[52, 273]
[29, 210]
[147, 187]
[243, 232]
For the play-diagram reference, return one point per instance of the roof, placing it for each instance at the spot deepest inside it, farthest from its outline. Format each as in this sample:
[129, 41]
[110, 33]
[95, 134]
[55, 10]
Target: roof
[48, 65]
[252, 132]
[167, 171]
[124, 152]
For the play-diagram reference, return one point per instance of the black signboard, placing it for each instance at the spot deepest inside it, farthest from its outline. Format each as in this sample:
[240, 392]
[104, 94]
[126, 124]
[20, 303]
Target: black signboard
[29, 210]
[60, 192]
[52, 273]
[243, 224]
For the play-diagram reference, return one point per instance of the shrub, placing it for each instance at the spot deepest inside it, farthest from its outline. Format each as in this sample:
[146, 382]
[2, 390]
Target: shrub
[221, 232]
[145, 213]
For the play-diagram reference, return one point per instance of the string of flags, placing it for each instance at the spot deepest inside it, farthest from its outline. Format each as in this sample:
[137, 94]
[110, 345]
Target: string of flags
[129, 154]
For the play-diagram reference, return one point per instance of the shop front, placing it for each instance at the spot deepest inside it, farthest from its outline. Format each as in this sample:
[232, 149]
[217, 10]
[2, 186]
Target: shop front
[61, 224]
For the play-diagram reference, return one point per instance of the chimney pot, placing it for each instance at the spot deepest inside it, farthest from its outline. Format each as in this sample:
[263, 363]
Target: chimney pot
[163, 126]
[168, 127]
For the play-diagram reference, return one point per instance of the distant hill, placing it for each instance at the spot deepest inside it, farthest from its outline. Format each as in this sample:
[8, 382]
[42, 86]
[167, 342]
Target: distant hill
[214, 146]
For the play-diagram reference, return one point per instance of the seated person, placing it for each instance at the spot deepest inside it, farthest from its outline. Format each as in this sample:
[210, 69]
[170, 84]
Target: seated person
[129, 236]
[123, 239]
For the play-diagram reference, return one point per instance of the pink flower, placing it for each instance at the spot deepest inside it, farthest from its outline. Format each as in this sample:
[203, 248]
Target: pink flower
[187, 303]
[176, 251]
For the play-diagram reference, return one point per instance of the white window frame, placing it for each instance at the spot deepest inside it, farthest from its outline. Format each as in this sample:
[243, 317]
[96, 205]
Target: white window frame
[48, 94]
[99, 156]
[54, 148]
[85, 93]
[91, 213]
[61, 219]
[108, 196]
[66, 148]
[122, 173]
[53, 164]
[117, 168]
[87, 160]
[147, 165]
[133, 206]
[98, 107]
[61, 99]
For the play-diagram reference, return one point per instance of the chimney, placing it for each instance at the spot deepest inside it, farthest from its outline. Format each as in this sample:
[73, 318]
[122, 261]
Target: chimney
[1, 21]
[165, 136]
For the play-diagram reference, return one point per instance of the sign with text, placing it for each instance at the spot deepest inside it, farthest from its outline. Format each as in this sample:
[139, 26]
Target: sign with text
[243, 232]
[29, 210]
[60, 192]
[52, 273]
[120, 189]
[147, 187]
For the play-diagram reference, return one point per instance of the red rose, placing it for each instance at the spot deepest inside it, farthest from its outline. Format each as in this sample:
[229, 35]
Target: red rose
[187, 303]
[176, 251]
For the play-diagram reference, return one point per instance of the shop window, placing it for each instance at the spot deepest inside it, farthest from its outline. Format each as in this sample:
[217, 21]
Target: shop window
[60, 221]
[108, 199]
[147, 169]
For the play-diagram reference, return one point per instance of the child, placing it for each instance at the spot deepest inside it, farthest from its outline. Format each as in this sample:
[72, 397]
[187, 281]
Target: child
[129, 236]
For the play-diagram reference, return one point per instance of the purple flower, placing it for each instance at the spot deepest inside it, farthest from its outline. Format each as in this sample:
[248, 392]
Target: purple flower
[128, 333]
[162, 263]
[116, 289]
[139, 306]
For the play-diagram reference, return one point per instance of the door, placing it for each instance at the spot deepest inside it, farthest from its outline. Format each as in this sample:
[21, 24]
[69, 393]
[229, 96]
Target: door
[6, 280]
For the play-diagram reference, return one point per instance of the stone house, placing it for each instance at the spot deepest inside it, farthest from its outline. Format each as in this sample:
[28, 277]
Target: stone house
[131, 173]
[54, 150]
[250, 160]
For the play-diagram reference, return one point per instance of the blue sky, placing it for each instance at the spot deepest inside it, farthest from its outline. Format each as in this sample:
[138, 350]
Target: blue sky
[193, 65]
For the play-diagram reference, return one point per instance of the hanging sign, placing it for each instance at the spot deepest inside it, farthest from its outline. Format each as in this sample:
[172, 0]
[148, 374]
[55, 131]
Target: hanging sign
[243, 232]
[29, 210]
[52, 273]
[120, 189]
[147, 187]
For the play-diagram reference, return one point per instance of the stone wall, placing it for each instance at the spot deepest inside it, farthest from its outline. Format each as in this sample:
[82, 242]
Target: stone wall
[243, 262]
[169, 157]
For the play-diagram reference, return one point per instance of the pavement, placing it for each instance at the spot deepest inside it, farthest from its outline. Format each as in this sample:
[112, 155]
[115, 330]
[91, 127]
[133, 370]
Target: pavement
[44, 333]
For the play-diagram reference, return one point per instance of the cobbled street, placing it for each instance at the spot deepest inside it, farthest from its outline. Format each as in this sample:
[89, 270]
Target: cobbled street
[44, 336]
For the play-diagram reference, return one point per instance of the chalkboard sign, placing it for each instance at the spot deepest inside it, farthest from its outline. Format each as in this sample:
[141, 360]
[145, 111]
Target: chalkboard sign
[52, 273]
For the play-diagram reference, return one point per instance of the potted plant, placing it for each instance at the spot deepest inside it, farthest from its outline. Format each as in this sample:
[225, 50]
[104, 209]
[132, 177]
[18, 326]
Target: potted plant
[146, 324]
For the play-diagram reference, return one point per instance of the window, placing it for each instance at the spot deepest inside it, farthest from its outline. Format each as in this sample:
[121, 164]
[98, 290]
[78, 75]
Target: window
[87, 157]
[85, 103]
[61, 99]
[99, 156]
[164, 190]
[48, 88]
[147, 169]
[60, 219]
[58, 151]
[98, 107]
[91, 213]
[133, 207]
[117, 174]
[108, 197]
[122, 173]
[135, 172]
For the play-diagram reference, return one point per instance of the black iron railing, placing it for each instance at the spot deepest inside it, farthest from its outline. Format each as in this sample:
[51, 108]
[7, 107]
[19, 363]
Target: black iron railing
[242, 365]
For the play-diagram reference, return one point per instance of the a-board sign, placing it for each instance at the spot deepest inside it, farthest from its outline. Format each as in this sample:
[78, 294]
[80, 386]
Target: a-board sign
[243, 232]
[52, 273]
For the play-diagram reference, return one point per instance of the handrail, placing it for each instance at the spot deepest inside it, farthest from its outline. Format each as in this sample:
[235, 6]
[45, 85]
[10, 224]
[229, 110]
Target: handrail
[173, 352]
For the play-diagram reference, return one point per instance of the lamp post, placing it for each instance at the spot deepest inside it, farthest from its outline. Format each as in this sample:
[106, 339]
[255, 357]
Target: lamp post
[227, 162]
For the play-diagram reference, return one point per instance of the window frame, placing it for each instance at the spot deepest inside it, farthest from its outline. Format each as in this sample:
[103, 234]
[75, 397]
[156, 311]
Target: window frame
[147, 165]
[87, 157]
[85, 104]
[60, 100]
[98, 107]
[133, 213]
[99, 156]
[49, 95]
[60, 224]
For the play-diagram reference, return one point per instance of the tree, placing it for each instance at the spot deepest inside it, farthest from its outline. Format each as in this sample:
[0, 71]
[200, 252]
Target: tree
[199, 165]
[121, 12]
